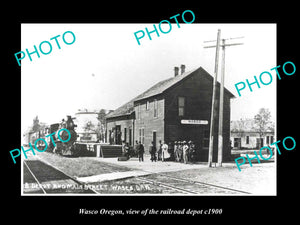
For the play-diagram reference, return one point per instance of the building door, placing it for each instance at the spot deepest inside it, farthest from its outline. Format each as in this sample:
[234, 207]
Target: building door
[112, 136]
[237, 143]
[118, 135]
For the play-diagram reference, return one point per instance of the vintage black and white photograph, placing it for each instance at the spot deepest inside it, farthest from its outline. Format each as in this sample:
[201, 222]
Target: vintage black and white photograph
[131, 109]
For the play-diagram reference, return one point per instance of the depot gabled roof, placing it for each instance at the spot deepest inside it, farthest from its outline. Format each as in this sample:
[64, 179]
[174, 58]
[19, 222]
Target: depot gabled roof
[158, 89]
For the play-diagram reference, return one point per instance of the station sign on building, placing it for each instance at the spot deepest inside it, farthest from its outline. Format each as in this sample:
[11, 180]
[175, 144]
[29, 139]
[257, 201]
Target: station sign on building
[196, 122]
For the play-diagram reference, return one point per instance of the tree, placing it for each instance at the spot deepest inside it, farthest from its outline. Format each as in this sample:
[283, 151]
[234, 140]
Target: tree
[36, 124]
[101, 116]
[262, 122]
[102, 124]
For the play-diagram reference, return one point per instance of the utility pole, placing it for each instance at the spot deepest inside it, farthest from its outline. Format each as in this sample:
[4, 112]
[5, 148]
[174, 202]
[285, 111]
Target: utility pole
[220, 134]
[220, 128]
[213, 108]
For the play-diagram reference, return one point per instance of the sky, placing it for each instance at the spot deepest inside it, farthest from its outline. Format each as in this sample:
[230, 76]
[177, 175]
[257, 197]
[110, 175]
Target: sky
[105, 67]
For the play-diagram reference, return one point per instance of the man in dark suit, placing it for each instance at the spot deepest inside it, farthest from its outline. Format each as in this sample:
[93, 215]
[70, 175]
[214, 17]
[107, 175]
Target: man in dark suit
[152, 151]
[141, 152]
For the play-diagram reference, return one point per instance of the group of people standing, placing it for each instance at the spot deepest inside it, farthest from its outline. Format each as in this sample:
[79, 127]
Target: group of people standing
[179, 151]
[162, 154]
[138, 150]
[184, 151]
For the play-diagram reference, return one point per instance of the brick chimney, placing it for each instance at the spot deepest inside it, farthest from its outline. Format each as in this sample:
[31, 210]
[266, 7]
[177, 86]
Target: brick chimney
[176, 70]
[182, 67]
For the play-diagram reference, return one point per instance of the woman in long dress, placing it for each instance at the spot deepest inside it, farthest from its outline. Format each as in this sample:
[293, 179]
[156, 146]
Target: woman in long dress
[165, 153]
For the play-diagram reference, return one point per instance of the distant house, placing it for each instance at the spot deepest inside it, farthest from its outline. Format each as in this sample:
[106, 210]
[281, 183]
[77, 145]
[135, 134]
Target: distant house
[244, 136]
[89, 126]
[174, 109]
[34, 132]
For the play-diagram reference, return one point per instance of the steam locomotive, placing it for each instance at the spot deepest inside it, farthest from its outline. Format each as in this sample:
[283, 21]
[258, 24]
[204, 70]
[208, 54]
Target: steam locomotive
[54, 143]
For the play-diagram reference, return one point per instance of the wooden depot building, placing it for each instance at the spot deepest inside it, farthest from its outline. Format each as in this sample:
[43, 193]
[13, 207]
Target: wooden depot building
[175, 109]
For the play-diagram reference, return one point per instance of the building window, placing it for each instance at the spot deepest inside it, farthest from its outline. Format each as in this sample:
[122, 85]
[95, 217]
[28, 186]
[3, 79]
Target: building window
[181, 104]
[142, 135]
[237, 143]
[138, 112]
[147, 105]
[155, 108]
[272, 139]
[247, 140]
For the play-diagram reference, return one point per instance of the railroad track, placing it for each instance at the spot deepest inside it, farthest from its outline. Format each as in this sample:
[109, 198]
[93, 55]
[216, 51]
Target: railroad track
[43, 173]
[165, 185]
[185, 186]
[50, 180]
[189, 186]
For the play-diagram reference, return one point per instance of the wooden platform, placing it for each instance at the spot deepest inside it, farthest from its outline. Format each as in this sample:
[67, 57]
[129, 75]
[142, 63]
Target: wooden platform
[99, 150]
[110, 151]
